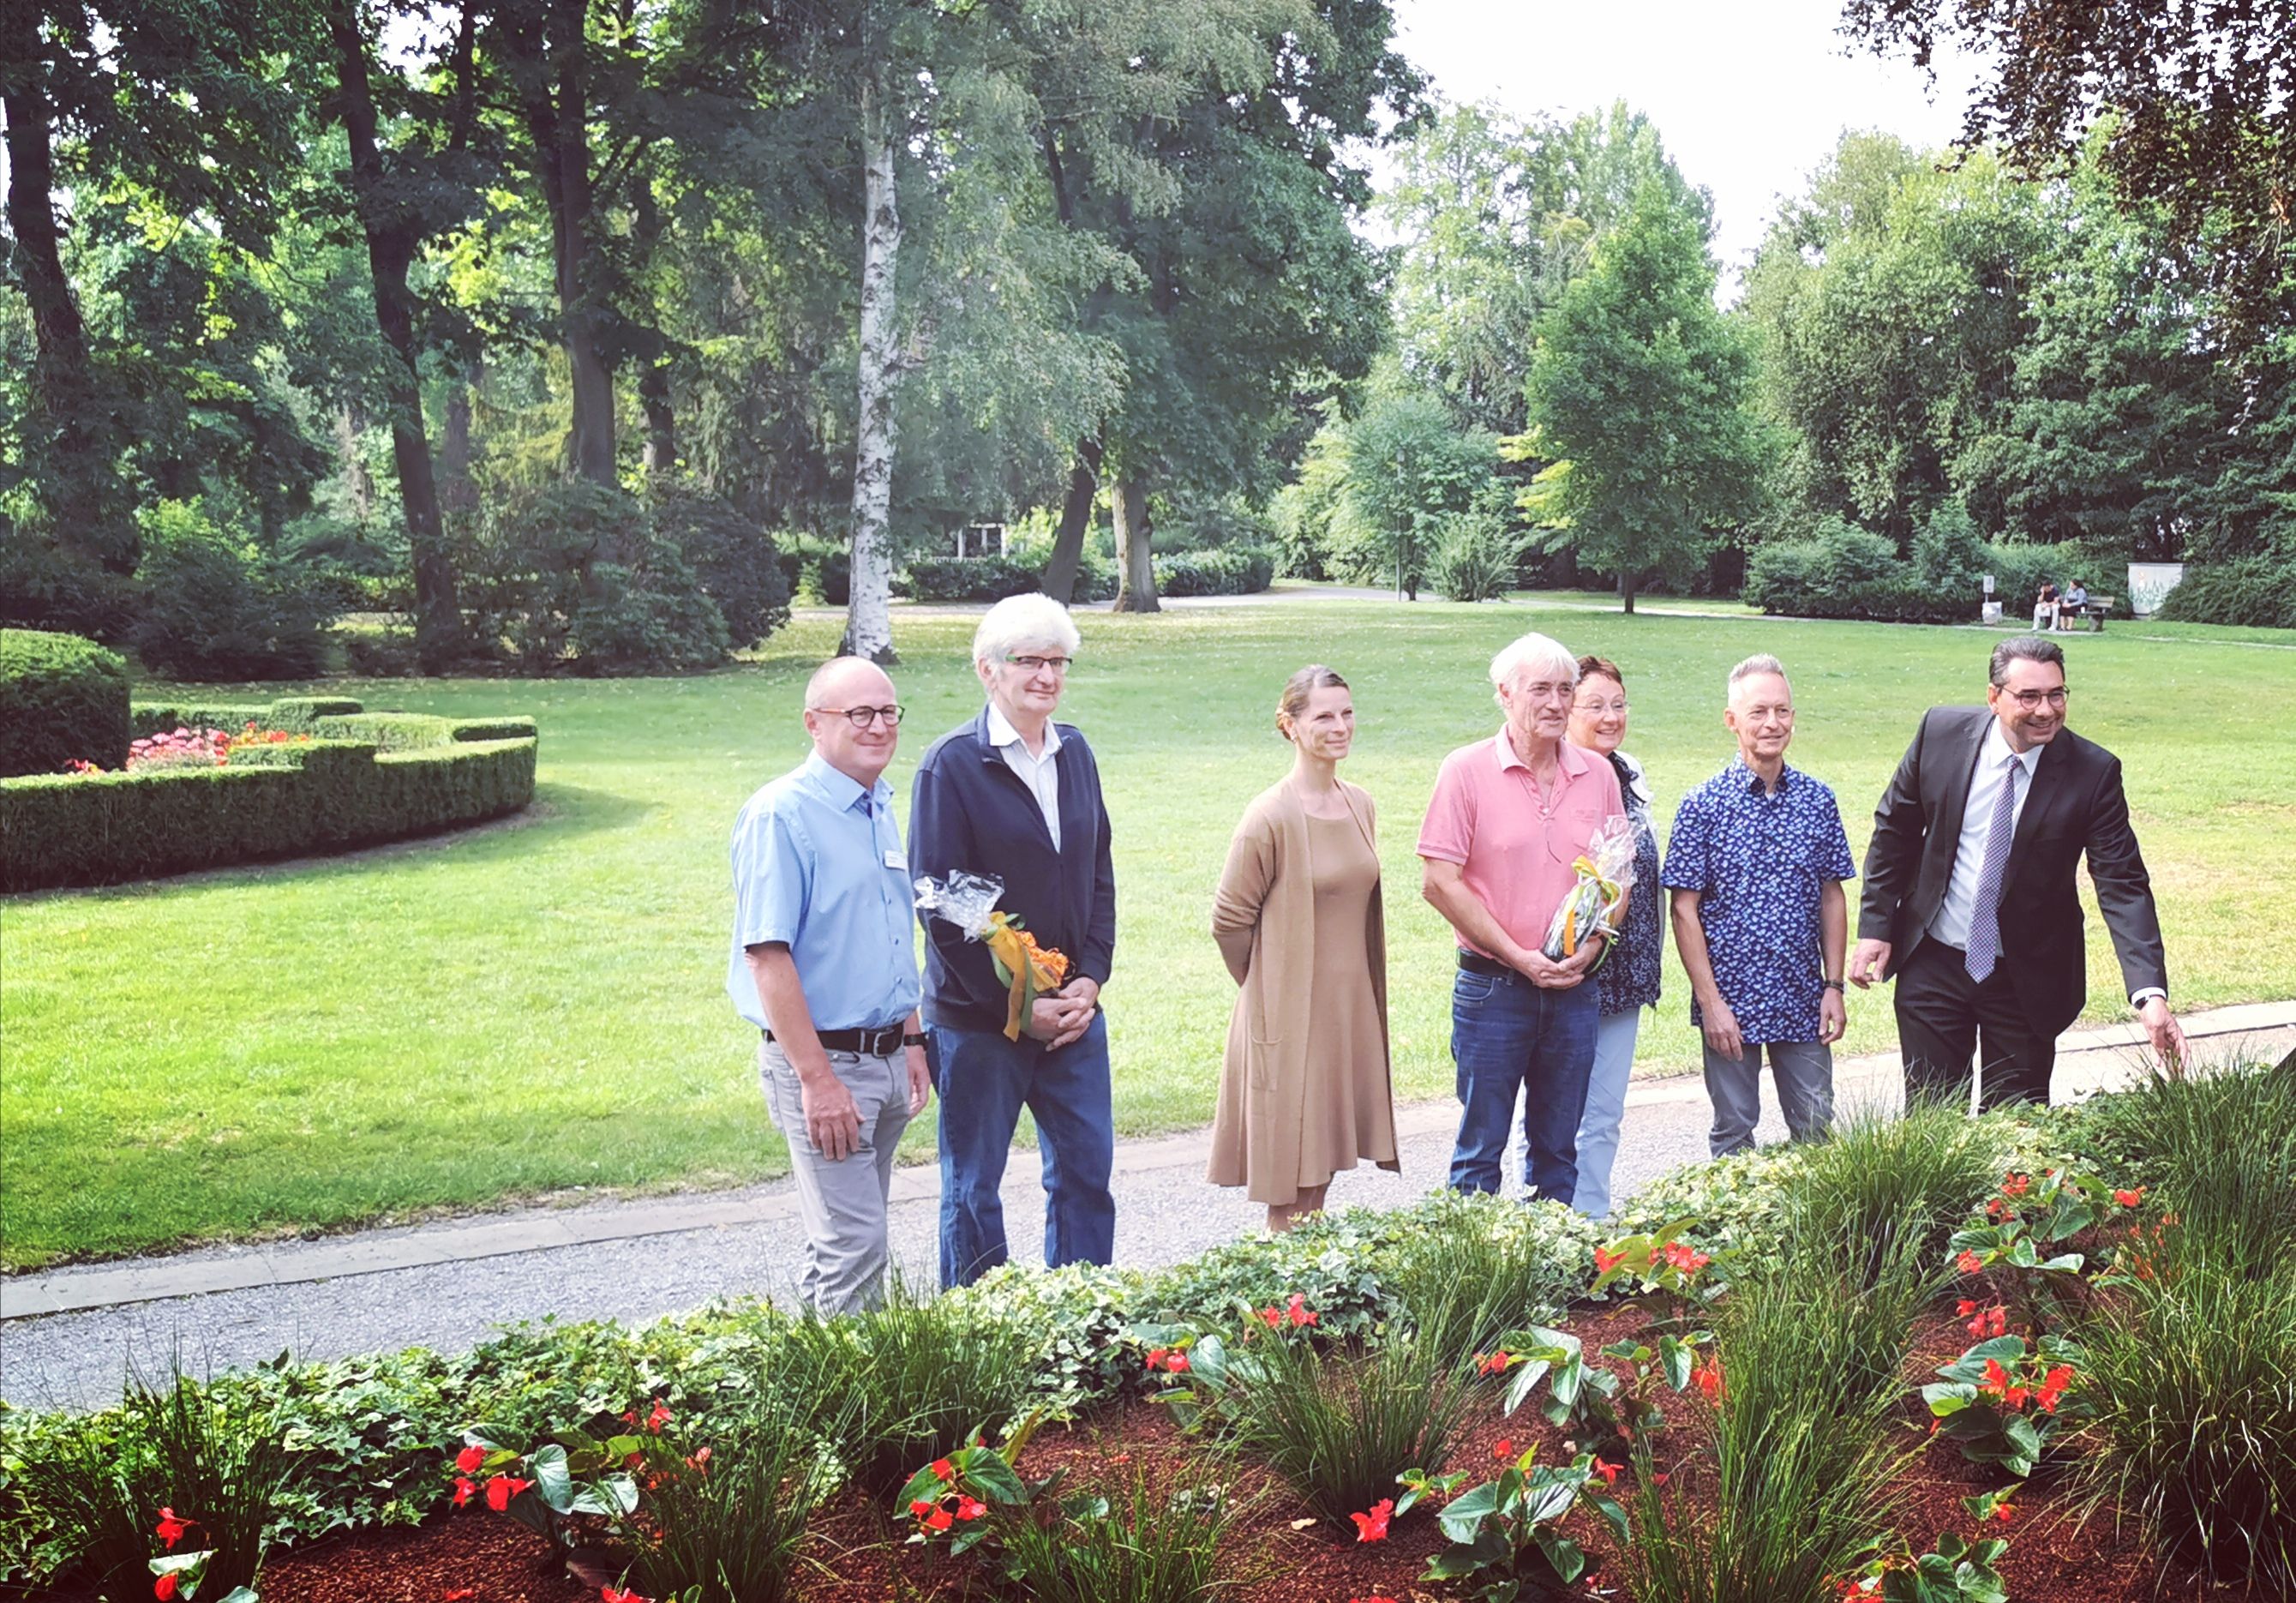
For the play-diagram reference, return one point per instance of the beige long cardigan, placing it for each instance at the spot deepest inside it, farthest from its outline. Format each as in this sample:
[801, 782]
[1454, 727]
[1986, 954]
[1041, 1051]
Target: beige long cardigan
[1263, 918]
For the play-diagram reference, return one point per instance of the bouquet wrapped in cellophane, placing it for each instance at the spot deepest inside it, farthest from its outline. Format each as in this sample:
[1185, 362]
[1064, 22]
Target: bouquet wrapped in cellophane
[969, 901]
[1606, 873]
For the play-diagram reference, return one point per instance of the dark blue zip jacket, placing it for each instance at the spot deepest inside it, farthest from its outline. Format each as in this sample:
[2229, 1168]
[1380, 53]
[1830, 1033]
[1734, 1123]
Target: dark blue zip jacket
[969, 812]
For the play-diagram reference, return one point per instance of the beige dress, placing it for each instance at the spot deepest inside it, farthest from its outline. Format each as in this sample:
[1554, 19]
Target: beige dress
[1304, 1085]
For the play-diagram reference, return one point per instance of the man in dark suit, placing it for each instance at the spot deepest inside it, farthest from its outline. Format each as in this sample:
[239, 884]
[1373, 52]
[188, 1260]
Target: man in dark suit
[1970, 901]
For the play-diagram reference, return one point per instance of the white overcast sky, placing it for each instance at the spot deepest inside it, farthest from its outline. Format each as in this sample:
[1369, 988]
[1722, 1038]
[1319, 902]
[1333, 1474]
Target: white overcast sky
[1748, 95]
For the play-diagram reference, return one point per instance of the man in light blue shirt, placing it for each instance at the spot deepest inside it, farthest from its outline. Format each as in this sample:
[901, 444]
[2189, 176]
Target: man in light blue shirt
[825, 963]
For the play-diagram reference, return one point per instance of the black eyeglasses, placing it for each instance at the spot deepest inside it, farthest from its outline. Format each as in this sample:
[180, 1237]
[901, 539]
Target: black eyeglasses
[1030, 664]
[861, 717]
[2031, 700]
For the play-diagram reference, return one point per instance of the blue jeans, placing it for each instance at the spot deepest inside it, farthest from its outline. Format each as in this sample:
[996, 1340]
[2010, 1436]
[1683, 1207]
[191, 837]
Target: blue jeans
[1509, 1036]
[1606, 1110]
[984, 1081]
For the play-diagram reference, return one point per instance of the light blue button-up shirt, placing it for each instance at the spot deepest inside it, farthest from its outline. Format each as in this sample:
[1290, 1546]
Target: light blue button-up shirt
[818, 865]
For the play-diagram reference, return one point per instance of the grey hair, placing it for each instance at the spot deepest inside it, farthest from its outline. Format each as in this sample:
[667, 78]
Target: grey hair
[1761, 661]
[1023, 621]
[1533, 651]
[2024, 648]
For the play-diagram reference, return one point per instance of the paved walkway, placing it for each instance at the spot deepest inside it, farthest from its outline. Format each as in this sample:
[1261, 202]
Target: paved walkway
[71, 1334]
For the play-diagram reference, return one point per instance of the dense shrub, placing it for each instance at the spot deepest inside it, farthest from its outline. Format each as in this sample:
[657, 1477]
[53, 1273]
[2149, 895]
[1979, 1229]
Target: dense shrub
[45, 586]
[1842, 570]
[733, 558]
[578, 577]
[992, 579]
[1476, 557]
[209, 610]
[1235, 571]
[2260, 591]
[61, 699]
[404, 775]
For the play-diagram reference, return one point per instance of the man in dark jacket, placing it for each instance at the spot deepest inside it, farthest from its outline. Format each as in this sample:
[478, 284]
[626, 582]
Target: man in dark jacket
[1970, 900]
[1013, 795]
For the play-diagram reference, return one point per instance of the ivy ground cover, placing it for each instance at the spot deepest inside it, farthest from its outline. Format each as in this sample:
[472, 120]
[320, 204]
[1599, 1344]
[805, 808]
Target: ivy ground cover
[535, 1007]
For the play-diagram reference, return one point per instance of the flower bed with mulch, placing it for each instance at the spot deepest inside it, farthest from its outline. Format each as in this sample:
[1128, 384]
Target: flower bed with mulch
[1933, 1360]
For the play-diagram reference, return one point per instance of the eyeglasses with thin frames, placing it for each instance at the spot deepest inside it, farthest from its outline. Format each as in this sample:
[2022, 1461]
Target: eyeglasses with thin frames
[2032, 700]
[1031, 663]
[861, 717]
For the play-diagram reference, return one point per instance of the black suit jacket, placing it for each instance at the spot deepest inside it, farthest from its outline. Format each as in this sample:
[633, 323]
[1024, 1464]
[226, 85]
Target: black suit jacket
[2075, 805]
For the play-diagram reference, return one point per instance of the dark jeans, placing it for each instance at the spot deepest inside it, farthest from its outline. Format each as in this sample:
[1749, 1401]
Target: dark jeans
[1943, 1017]
[1510, 1037]
[984, 1081]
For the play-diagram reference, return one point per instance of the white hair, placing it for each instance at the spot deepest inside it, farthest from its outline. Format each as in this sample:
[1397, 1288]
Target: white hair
[1760, 663]
[1018, 621]
[1533, 651]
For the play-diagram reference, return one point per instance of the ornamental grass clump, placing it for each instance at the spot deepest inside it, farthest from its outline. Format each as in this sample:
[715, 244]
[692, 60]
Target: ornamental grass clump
[1806, 1394]
[910, 1381]
[1339, 1426]
[722, 1513]
[2218, 1150]
[185, 1475]
[1884, 1183]
[1460, 1287]
[1147, 1546]
[2191, 1348]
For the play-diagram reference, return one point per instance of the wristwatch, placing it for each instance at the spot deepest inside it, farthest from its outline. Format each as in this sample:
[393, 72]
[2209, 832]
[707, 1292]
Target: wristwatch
[1834, 985]
[913, 1040]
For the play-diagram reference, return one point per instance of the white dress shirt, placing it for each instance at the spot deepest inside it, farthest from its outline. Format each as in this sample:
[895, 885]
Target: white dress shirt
[1951, 924]
[1036, 771]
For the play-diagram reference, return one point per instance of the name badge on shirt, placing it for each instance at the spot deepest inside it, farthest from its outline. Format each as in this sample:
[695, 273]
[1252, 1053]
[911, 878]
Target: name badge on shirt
[896, 859]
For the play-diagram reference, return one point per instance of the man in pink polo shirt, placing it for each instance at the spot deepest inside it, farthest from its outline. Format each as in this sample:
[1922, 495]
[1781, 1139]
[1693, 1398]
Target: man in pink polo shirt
[1508, 817]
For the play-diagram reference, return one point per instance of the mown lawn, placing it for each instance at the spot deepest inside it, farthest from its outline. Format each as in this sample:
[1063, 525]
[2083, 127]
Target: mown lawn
[538, 1006]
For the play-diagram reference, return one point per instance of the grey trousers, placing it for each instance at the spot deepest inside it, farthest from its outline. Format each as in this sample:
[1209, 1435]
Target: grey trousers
[843, 1203]
[1804, 1071]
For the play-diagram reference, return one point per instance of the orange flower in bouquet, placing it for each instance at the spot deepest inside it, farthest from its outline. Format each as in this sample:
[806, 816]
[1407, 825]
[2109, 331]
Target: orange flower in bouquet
[1025, 969]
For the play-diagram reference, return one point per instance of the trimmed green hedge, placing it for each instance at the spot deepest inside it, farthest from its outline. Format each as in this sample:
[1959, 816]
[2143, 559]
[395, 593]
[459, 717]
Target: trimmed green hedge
[1228, 570]
[366, 777]
[991, 579]
[63, 699]
[1842, 570]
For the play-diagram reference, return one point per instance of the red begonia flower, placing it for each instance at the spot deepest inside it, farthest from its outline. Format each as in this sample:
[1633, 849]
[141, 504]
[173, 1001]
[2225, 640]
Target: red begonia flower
[969, 1508]
[1608, 1472]
[469, 1460]
[939, 1519]
[164, 1588]
[171, 1528]
[2129, 1200]
[1969, 1264]
[463, 1488]
[1605, 1261]
[1372, 1526]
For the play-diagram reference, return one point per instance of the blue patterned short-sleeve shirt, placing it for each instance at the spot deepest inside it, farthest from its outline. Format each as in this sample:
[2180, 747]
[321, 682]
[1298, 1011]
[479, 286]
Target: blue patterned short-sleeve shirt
[1759, 859]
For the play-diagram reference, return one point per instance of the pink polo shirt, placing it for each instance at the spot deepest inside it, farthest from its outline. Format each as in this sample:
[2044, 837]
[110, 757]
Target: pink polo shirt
[1486, 817]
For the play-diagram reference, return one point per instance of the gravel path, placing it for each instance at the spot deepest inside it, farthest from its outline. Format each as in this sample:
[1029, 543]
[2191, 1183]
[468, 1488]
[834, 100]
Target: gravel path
[648, 1257]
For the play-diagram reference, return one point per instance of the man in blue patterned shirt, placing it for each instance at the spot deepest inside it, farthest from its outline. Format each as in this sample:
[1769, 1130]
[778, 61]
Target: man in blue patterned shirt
[1756, 863]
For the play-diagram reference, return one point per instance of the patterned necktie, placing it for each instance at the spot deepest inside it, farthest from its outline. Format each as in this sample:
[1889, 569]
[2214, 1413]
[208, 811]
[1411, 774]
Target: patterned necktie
[1985, 918]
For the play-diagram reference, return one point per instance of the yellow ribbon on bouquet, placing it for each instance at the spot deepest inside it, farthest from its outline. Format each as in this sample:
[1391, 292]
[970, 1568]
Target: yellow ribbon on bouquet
[1029, 970]
[1588, 874]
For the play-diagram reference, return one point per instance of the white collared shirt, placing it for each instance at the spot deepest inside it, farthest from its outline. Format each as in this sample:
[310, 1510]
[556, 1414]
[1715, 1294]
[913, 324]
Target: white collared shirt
[1951, 924]
[1037, 771]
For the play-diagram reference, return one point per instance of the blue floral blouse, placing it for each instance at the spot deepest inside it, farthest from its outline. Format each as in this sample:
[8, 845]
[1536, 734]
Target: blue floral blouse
[1629, 978]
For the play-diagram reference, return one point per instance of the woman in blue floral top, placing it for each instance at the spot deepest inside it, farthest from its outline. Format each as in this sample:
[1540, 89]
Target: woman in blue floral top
[1627, 982]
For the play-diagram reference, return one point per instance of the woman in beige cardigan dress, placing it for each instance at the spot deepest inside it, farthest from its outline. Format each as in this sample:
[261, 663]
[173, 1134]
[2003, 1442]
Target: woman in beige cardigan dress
[1305, 1089]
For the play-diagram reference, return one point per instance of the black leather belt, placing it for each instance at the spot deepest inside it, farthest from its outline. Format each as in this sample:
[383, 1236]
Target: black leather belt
[869, 1043]
[1475, 963]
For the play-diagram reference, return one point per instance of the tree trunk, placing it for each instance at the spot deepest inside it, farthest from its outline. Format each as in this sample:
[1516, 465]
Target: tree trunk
[457, 491]
[358, 483]
[661, 421]
[549, 67]
[868, 616]
[82, 491]
[1060, 578]
[1626, 590]
[390, 244]
[1135, 582]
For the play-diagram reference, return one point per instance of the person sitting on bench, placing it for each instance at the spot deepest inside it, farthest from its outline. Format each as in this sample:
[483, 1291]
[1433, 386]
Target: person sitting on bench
[2045, 608]
[2076, 605]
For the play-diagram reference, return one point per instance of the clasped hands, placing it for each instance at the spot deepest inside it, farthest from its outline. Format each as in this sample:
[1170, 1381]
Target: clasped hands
[1549, 974]
[1060, 1017]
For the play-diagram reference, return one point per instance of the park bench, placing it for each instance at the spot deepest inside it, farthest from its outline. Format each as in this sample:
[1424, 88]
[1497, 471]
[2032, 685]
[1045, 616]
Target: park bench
[2092, 610]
